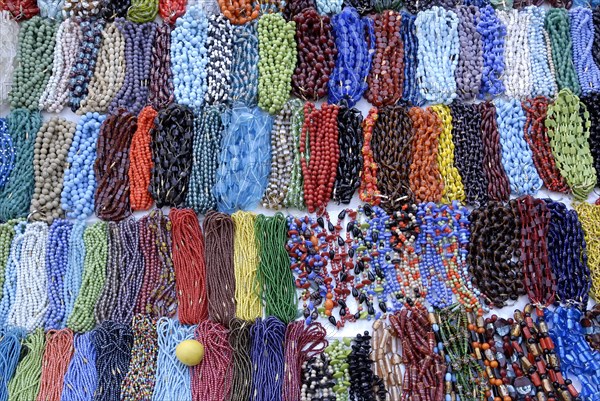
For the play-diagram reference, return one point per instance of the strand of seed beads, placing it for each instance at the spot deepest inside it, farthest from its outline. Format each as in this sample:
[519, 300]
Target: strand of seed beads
[557, 26]
[9, 278]
[74, 270]
[386, 79]
[542, 75]
[7, 233]
[492, 32]
[68, 38]
[568, 127]
[161, 89]
[56, 267]
[517, 158]
[350, 163]
[171, 10]
[49, 162]
[220, 54]
[368, 191]
[7, 153]
[84, 64]
[244, 65]
[517, 73]
[149, 248]
[108, 297]
[582, 36]
[208, 131]
[133, 95]
[79, 184]
[37, 38]
[408, 32]
[498, 185]
[470, 60]
[281, 154]
[295, 193]
[189, 57]
[320, 129]
[140, 166]
[438, 46]
[354, 40]
[109, 73]
[277, 59]
[9, 31]
[316, 55]
[31, 297]
[138, 384]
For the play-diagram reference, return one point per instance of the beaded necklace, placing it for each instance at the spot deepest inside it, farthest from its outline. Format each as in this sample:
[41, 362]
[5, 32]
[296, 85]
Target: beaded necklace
[589, 216]
[74, 270]
[58, 349]
[7, 234]
[557, 26]
[437, 36]
[329, 6]
[7, 153]
[368, 191]
[9, 32]
[267, 339]
[338, 352]
[189, 57]
[320, 132]
[160, 94]
[108, 298]
[350, 164]
[9, 278]
[317, 378]
[425, 178]
[277, 60]
[68, 39]
[536, 135]
[131, 271]
[240, 13]
[408, 33]
[517, 72]
[140, 167]
[138, 384]
[79, 185]
[243, 167]
[453, 187]
[49, 163]
[387, 358]
[208, 131]
[315, 62]
[245, 260]
[113, 343]
[220, 54]
[95, 242]
[492, 32]
[244, 65]
[592, 105]
[542, 68]
[582, 36]
[364, 7]
[171, 10]
[295, 193]
[109, 73]
[84, 9]
[37, 38]
[149, 244]
[57, 262]
[517, 157]
[211, 380]
[112, 165]
[142, 11]
[84, 64]
[364, 384]
[386, 79]
[568, 125]
[498, 185]
[21, 9]
[354, 41]
[118, 8]
[470, 61]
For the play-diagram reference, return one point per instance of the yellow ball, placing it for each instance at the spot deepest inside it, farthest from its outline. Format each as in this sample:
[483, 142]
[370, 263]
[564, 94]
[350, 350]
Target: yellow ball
[189, 352]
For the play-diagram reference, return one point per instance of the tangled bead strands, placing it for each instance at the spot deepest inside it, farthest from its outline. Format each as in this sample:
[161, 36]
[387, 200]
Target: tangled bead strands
[386, 77]
[80, 379]
[493, 33]
[161, 89]
[517, 158]
[244, 66]
[589, 216]
[243, 167]
[438, 46]
[470, 61]
[109, 73]
[582, 36]
[277, 60]
[35, 65]
[79, 183]
[295, 191]
[542, 70]
[354, 41]
[10, 346]
[220, 55]
[9, 32]
[425, 178]
[517, 73]
[25, 383]
[68, 38]
[189, 57]
[350, 163]
[498, 184]
[140, 165]
[171, 147]
[113, 343]
[57, 355]
[239, 339]
[50, 152]
[142, 11]
[568, 125]
[267, 339]
[557, 26]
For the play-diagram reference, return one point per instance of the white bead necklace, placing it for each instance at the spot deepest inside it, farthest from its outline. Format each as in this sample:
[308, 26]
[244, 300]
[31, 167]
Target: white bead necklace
[517, 73]
[9, 32]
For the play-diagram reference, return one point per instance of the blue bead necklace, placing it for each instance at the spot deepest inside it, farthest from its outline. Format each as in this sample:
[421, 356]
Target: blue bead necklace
[410, 92]
[492, 35]
[582, 37]
[7, 153]
[355, 43]
[74, 272]
[543, 81]
[57, 261]
[244, 67]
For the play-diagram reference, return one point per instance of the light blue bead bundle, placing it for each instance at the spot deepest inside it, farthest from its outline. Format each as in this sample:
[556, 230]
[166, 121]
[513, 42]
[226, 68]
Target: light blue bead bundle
[7, 153]
[57, 261]
[51, 8]
[9, 289]
[542, 75]
[355, 43]
[10, 353]
[582, 37]
[492, 35]
[517, 73]
[245, 159]
[329, 6]
[172, 380]
[81, 378]
[517, 158]
[244, 67]
[438, 46]
[74, 273]
[410, 92]
[189, 57]
[79, 183]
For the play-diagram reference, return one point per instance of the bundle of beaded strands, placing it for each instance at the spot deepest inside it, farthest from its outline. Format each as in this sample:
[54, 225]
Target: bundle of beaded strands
[557, 26]
[9, 31]
[220, 54]
[244, 65]
[470, 62]
[498, 185]
[140, 167]
[425, 179]
[350, 140]
[161, 94]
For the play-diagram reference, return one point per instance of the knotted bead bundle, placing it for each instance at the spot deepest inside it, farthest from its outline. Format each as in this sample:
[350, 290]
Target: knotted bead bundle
[36, 50]
[316, 55]
[425, 178]
[112, 165]
[220, 54]
[9, 32]
[582, 36]
[243, 167]
[492, 32]
[498, 185]
[437, 36]
[244, 65]
[470, 61]
[140, 166]
[277, 59]
[557, 26]
[542, 67]
[350, 141]
[56, 268]
[517, 74]
[161, 89]
[171, 146]
[50, 152]
[386, 78]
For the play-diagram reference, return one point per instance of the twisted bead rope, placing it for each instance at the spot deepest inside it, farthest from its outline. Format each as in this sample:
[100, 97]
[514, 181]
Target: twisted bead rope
[25, 384]
[138, 385]
[56, 267]
[470, 60]
[31, 300]
[57, 355]
[9, 287]
[220, 55]
[245, 261]
[267, 338]
[239, 339]
[542, 71]
[9, 32]
[142, 11]
[10, 352]
[582, 36]
[425, 178]
[113, 342]
[73, 275]
[172, 381]
[517, 72]
[80, 380]
[96, 250]
[15, 196]
[368, 191]
[557, 26]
